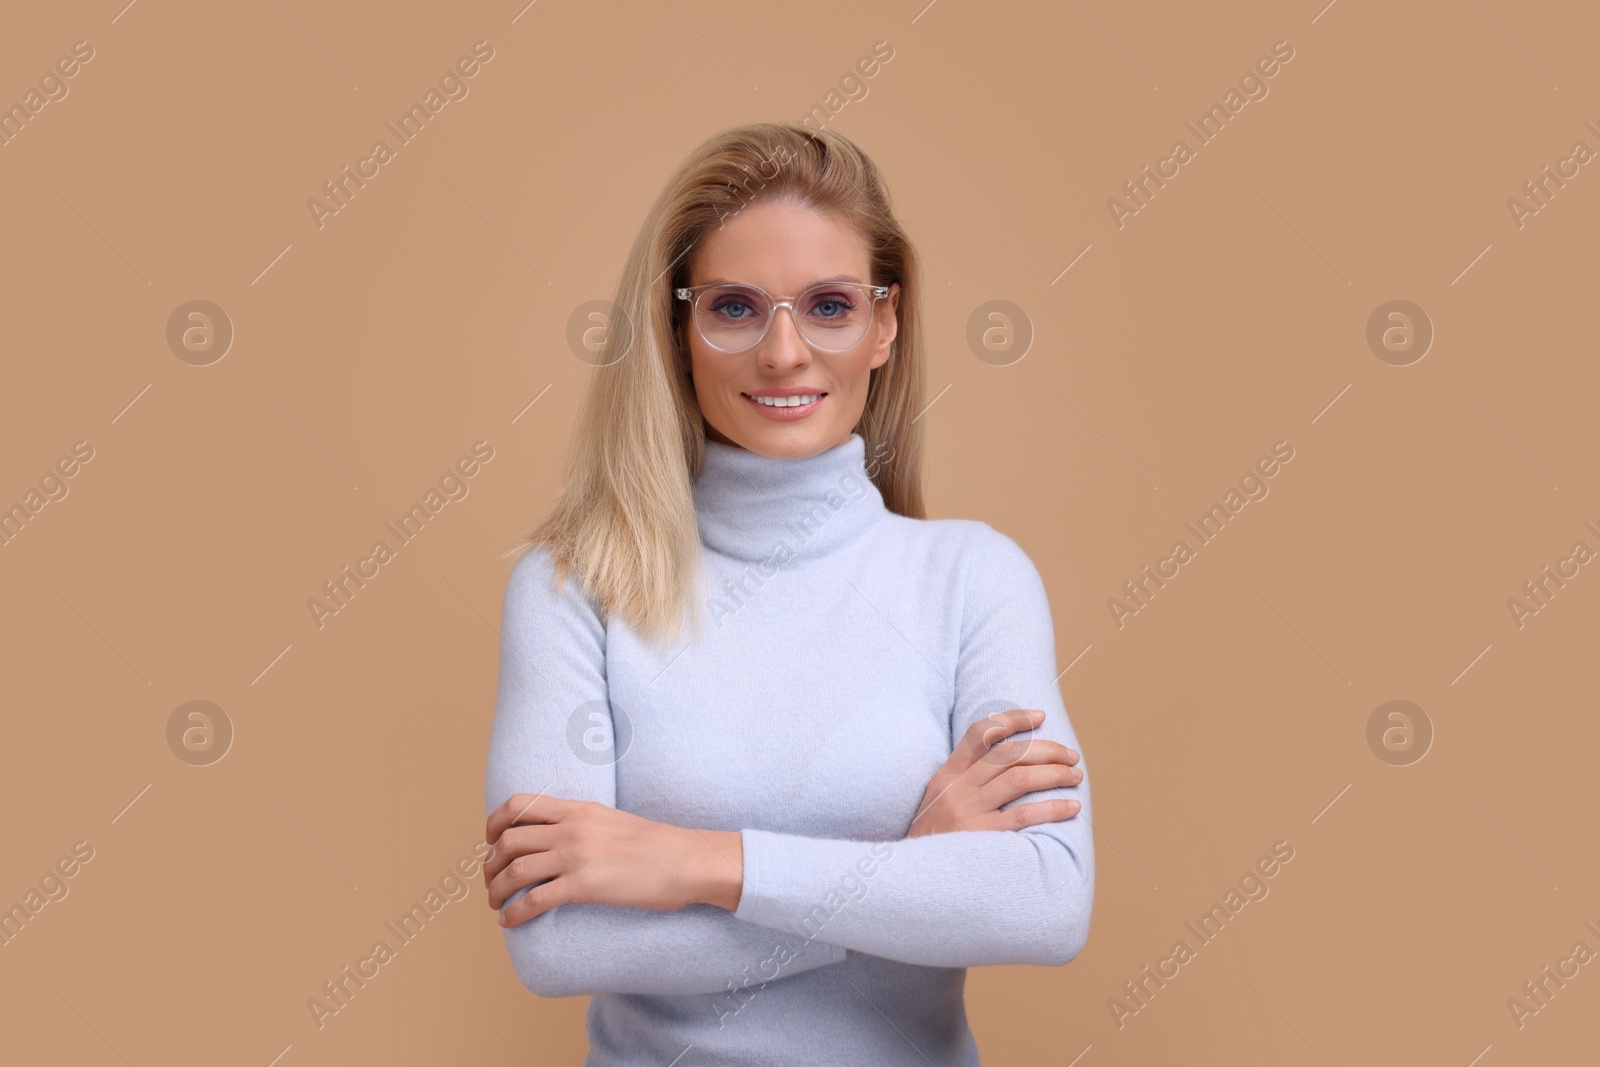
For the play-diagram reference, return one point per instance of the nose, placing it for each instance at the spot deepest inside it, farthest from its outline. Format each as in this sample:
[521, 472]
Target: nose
[783, 348]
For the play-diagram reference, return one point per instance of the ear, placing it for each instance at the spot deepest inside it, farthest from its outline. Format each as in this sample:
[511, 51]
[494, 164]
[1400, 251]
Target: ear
[887, 312]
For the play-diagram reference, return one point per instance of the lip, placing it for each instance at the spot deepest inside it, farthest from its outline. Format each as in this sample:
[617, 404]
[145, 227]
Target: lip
[786, 390]
[786, 414]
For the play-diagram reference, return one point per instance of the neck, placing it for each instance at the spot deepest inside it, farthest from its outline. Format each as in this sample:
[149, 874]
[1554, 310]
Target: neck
[756, 507]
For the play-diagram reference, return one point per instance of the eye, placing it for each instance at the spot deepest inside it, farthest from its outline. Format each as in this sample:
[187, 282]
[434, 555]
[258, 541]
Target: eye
[832, 305]
[733, 307]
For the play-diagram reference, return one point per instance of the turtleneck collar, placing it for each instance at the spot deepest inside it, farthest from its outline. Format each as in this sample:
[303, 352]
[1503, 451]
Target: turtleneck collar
[755, 507]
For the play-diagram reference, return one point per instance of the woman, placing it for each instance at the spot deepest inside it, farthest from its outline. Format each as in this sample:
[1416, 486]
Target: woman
[782, 837]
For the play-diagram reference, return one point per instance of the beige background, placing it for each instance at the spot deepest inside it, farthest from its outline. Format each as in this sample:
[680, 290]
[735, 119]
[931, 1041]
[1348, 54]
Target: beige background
[1228, 314]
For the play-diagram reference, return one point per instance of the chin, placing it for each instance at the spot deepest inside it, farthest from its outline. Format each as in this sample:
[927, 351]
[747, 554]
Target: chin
[793, 441]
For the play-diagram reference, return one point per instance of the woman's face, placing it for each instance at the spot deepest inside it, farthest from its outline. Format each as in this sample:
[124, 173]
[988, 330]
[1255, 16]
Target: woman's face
[783, 248]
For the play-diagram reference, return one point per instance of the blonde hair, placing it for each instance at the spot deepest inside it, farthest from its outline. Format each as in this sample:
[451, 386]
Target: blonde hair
[625, 522]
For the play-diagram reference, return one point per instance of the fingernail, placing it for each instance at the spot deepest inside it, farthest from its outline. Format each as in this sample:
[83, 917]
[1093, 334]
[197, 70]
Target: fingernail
[1036, 715]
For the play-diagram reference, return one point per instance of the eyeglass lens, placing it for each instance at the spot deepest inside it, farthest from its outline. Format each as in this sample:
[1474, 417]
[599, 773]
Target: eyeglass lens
[735, 317]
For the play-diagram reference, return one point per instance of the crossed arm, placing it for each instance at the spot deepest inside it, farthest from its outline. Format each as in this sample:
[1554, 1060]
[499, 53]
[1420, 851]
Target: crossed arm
[598, 900]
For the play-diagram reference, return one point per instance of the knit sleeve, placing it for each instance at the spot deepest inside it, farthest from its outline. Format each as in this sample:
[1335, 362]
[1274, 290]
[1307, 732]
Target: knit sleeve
[552, 732]
[966, 898]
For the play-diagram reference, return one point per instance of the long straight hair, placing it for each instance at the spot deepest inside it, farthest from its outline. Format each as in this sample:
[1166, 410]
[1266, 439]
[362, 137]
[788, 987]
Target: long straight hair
[625, 523]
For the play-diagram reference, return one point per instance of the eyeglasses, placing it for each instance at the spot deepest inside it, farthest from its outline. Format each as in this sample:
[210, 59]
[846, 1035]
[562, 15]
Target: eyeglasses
[831, 316]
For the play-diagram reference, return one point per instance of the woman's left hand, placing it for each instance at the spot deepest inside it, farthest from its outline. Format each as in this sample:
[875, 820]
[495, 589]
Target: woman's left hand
[583, 851]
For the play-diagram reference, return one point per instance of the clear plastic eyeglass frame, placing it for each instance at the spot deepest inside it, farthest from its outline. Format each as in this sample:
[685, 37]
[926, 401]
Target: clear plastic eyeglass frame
[693, 294]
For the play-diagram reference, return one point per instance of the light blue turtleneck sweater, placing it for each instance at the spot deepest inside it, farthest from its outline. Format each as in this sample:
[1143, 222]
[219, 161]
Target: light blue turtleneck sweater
[844, 649]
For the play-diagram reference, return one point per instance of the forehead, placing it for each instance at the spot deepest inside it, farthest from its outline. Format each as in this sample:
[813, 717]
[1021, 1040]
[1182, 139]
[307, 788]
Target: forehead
[781, 246]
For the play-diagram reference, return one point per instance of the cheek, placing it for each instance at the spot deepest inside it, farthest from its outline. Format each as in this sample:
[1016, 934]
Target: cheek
[706, 377]
[858, 370]
[693, 359]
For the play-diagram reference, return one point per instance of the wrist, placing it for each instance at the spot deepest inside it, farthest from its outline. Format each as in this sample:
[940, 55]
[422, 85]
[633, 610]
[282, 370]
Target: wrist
[718, 865]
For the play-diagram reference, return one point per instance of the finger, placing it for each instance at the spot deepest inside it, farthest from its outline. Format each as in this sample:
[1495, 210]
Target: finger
[516, 841]
[1009, 754]
[535, 902]
[983, 734]
[521, 807]
[527, 870]
[1034, 814]
[1023, 778]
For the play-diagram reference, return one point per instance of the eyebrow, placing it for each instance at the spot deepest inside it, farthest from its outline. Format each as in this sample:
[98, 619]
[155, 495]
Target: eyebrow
[819, 281]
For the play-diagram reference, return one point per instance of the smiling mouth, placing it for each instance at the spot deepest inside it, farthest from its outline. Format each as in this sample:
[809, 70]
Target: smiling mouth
[799, 400]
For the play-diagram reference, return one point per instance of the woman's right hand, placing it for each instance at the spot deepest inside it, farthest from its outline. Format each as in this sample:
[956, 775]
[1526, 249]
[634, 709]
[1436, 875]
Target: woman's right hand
[980, 776]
